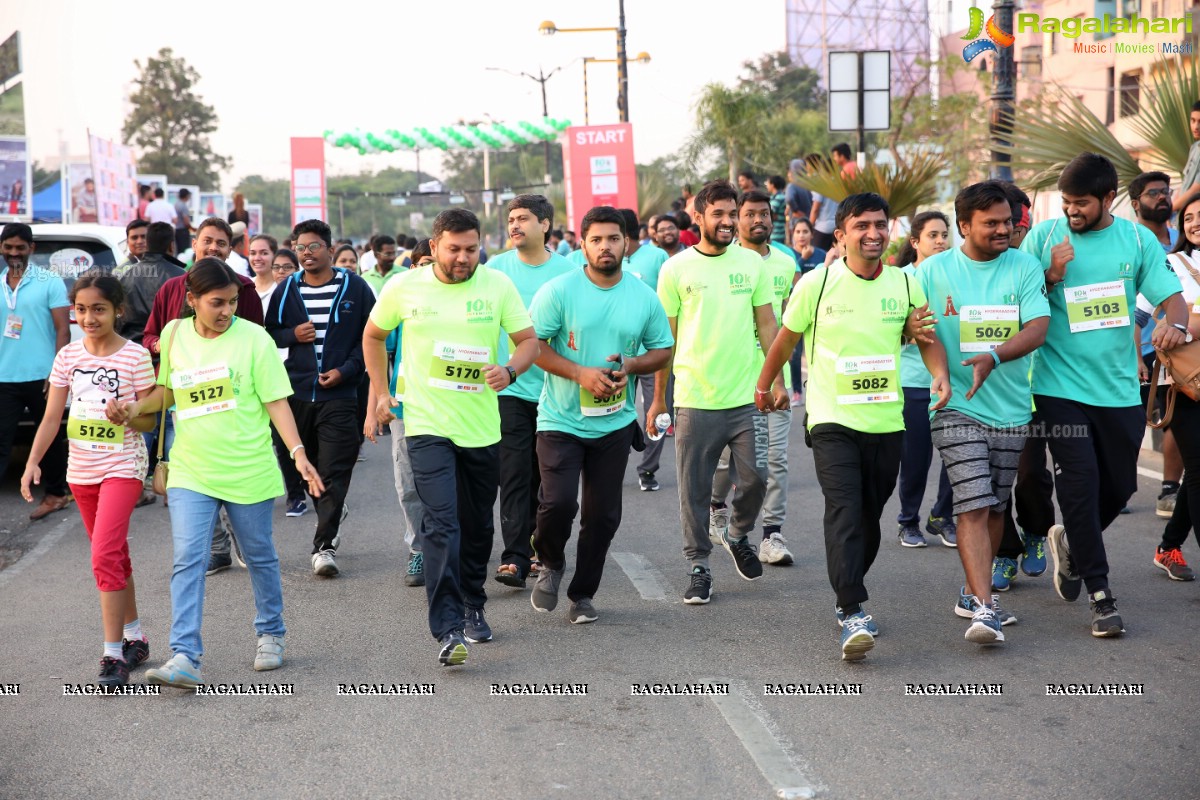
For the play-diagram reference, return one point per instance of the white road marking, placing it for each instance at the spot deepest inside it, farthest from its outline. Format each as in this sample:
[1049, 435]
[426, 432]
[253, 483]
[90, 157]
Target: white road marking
[43, 547]
[641, 573]
[751, 725]
[1149, 473]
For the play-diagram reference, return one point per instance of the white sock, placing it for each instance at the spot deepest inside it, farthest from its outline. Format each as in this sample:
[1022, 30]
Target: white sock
[113, 650]
[133, 631]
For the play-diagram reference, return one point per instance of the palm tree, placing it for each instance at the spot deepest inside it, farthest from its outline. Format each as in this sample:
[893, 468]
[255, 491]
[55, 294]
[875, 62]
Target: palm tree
[907, 186]
[729, 120]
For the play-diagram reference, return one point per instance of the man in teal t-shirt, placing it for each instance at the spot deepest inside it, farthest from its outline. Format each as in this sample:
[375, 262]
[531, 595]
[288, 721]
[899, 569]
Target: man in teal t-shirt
[601, 326]
[995, 314]
[1085, 377]
[531, 266]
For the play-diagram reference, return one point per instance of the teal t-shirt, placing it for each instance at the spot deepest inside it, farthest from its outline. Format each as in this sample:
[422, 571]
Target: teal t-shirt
[913, 374]
[979, 305]
[1089, 355]
[577, 258]
[646, 263]
[585, 324]
[527, 280]
[398, 334]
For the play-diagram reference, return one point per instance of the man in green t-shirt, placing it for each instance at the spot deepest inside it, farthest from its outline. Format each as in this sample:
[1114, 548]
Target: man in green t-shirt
[1085, 376]
[531, 264]
[853, 315]
[384, 248]
[600, 325]
[715, 295]
[452, 314]
[755, 213]
[994, 316]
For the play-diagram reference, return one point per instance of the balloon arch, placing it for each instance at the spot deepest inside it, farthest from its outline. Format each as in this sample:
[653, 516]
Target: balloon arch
[490, 136]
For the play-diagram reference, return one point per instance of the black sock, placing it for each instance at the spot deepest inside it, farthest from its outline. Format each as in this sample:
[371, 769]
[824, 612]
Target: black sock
[769, 529]
[851, 610]
[716, 506]
[1169, 487]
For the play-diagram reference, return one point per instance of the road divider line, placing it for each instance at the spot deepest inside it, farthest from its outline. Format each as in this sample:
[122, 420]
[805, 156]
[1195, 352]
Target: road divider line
[42, 547]
[641, 573]
[756, 733]
[1149, 473]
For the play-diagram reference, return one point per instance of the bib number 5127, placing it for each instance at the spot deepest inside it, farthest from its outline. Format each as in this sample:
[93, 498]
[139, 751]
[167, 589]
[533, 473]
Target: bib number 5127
[206, 393]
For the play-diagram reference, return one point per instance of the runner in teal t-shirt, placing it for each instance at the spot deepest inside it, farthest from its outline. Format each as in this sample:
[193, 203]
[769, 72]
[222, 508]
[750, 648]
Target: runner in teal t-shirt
[995, 313]
[530, 266]
[1085, 381]
[601, 325]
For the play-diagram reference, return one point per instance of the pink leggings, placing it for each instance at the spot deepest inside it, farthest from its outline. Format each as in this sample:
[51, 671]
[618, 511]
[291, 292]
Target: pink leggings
[106, 508]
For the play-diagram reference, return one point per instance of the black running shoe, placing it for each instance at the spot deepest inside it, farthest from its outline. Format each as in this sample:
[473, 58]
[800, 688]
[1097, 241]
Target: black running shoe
[699, 591]
[113, 672]
[1105, 619]
[745, 557]
[135, 652]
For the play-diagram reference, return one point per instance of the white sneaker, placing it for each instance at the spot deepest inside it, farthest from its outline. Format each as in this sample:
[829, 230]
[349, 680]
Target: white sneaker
[774, 550]
[718, 525]
[269, 654]
[324, 565]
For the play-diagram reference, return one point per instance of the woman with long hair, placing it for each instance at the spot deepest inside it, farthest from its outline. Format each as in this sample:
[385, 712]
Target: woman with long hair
[930, 234]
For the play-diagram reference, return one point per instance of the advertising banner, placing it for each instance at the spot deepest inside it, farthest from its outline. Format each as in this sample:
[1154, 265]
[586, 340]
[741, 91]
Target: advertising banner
[79, 193]
[308, 179]
[114, 172]
[255, 226]
[598, 169]
[193, 202]
[16, 175]
[214, 204]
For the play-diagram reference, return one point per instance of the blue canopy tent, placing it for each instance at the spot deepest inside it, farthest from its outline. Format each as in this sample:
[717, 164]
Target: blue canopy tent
[47, 204]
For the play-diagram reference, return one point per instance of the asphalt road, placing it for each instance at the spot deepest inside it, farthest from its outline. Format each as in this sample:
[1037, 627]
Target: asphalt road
[462, 741]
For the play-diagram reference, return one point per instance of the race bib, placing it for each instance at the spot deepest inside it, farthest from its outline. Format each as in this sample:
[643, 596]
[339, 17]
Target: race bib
[593, 406]
[981, 329]
[1097, 306]
[458, 368]
[203, 391]
[867, 379]
[12, 326]
[89, 428]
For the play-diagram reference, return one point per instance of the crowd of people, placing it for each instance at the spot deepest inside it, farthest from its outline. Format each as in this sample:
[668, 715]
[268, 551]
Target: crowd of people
[519, 380]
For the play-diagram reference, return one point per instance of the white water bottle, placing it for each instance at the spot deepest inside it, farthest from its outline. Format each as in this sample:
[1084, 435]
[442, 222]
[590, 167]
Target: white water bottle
[661, 423]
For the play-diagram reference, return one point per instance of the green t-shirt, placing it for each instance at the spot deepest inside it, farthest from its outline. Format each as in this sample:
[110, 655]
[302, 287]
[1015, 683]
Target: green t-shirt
[713, 300]
[913, 374]
[585, 324]
[377, 281]
[854, 358]
[646, 263]
[1097, 363]
[528, 280]
[986, 303]
[450, 335]
[780, 269]
[222, 431]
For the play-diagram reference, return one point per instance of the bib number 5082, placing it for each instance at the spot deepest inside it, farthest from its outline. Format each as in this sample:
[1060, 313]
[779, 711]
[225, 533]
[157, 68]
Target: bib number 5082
[863, 384]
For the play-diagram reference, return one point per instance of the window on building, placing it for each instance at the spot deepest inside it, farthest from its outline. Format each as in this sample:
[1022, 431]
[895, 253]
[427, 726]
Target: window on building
[1031, 62]
[1131, 84]
[1110, 92]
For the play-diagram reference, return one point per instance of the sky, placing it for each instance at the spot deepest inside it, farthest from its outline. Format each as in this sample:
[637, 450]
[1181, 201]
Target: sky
[274, 70]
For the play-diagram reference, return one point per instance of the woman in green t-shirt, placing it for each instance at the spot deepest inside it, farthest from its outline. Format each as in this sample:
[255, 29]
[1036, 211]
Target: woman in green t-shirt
[227, 384]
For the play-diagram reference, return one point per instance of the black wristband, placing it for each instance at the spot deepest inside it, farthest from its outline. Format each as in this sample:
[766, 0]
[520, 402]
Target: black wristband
[512, 375]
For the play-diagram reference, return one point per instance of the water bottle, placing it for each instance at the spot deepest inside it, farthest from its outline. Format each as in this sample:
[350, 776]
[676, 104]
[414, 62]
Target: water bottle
[661, 422]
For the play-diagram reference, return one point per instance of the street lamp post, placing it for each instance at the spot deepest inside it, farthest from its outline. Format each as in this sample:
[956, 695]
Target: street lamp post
[541, 78]
[642, 58]
[548, 28]
[1003, 96]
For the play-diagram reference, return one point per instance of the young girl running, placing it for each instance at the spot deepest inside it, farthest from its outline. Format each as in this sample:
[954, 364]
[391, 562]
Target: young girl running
[106, 461]
[228, 384]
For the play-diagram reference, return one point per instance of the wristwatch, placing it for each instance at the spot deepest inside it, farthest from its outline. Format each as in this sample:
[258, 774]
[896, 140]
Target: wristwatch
[512, 375]
[1180, 327]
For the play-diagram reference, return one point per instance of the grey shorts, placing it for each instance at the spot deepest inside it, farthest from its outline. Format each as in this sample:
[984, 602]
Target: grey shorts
[981, 461]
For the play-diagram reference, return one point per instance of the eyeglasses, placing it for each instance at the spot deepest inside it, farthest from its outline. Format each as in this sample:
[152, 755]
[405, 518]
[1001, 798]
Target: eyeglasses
[282, 268]
[310, 248]
[1154, 194]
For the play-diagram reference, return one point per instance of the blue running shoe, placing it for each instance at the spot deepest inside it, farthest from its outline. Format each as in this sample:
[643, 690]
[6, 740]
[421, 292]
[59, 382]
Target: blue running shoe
[453, 650]
[1004, 572]
[910, 536]
[1033, 560]
[967, 606]
[944, 529]
[985, 627]
[856, 639]
[872, 626]
[475, 627]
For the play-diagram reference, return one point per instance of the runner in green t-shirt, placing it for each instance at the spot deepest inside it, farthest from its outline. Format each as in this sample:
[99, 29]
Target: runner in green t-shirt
[530, 265]
[853, 315]
[1085, 377]
[714, 296]
[452, 314]
[994, 316]
[755, 212]
[600, 325]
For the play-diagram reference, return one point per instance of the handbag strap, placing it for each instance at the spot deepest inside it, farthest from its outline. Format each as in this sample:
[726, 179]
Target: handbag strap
[1151, 400]
[162, 420]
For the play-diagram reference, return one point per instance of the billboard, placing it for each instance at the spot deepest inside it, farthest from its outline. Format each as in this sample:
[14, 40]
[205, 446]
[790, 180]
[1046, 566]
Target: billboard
[213, 204]
[80, 203]
[16, 174]
[308, 179]
[255, 227]
[114, 171]
[12, 110]
[598, 169]
[193, 202]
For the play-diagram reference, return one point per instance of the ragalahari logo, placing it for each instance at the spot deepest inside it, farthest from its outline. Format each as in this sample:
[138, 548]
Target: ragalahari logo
[996, 38]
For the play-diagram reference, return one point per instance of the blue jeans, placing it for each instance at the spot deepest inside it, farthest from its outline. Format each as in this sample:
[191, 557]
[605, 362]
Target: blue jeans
[193, 516]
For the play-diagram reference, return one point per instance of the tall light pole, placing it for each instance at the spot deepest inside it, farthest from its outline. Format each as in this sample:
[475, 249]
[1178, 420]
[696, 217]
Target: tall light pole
[1004, 90]
[548, 28]
[642, 58]
[541, 78]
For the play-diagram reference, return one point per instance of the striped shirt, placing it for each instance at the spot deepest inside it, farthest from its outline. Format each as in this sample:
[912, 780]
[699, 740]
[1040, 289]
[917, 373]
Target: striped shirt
[318, 301]
[92, 381]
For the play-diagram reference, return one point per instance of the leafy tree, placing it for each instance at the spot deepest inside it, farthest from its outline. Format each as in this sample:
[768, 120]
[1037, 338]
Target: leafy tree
[784, 83]
[170, 123]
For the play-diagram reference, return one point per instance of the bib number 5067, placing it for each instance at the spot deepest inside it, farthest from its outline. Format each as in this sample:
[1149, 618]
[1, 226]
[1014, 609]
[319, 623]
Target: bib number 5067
[992, 333]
